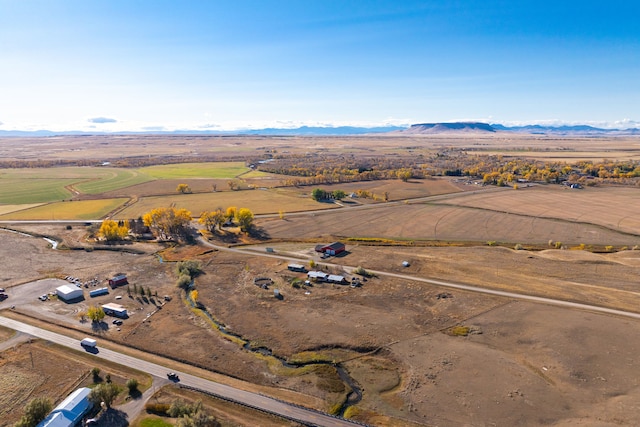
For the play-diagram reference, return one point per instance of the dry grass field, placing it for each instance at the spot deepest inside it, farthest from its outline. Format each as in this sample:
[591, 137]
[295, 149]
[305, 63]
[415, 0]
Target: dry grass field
[421, 354]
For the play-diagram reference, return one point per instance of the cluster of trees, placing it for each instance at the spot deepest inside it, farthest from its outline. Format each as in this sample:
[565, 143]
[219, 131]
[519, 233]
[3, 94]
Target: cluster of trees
[213, 220]
[316, 169]
[186, 272]
[168, 222]
[320, 194]
[113, 230]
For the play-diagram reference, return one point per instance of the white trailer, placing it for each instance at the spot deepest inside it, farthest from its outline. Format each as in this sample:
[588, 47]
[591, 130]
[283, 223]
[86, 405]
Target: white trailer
[88, 342]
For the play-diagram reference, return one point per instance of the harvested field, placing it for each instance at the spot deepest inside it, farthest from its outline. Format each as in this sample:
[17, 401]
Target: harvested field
[438, 222]
[83, 210]
[615, 208]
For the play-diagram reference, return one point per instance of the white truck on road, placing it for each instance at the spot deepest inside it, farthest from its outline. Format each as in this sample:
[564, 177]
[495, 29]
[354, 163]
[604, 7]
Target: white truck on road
[88, 343]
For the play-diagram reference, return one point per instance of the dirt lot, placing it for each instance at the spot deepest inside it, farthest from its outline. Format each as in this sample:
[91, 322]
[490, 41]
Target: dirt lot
[522, 364]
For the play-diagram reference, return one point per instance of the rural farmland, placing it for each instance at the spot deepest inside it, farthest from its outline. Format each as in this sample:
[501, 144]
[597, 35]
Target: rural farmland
[394, 348]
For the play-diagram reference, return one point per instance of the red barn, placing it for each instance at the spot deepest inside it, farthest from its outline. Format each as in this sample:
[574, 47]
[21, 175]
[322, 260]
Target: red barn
[333, 249]
[118, 280]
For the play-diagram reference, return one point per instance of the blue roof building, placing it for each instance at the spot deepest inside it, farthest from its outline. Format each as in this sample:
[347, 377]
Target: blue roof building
[70, 411]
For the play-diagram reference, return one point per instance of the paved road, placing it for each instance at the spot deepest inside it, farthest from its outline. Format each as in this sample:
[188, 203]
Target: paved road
[267, 404]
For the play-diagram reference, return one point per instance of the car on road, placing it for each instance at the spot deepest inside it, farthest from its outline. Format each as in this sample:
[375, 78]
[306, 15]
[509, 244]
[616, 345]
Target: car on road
[117, 322]
[173, 376]
[3, 296]
[1, 289]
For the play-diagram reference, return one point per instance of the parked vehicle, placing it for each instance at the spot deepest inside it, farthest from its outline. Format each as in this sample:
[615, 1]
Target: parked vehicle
[117, 322]
[3, 297]
[43, 297]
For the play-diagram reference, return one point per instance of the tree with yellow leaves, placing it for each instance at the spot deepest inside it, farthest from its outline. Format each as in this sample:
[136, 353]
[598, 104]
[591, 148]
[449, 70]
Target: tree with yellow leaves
[168, 222]
[112, 230]
[245, 219]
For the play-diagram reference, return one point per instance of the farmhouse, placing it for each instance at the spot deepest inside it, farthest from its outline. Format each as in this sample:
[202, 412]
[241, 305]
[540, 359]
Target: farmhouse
[118, 280]
[70, 411]
[116, 310]
[317, 276]
[333, 249]
[68, 293]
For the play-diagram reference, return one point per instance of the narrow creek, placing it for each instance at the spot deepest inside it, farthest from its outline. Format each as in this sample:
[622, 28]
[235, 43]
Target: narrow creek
[354, 396]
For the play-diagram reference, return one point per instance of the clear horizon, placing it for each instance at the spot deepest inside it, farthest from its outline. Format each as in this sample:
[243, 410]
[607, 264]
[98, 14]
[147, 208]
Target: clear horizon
[110, 66]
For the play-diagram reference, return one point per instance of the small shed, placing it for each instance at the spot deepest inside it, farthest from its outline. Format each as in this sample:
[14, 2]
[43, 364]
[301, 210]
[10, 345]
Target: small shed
[334, 278]
[116, 310]
[119, 279]
[69, 293]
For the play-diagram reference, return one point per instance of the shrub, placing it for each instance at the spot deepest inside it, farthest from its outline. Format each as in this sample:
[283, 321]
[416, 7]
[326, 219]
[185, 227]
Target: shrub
[190, 268]
[184, 281]
[35, 411]
[157, 408]
[132, 385]
[518, 247]
[460, 331]
[558, 245]
[491, 243]
[95, 372]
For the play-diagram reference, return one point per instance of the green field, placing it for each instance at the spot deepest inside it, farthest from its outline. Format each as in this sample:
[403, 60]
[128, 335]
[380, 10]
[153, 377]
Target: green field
[82, 210]
[108, 179]
[196, 170]
[259, 201]
[18, 191]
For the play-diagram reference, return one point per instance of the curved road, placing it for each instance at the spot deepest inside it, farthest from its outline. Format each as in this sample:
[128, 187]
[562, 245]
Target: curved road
[264, 403]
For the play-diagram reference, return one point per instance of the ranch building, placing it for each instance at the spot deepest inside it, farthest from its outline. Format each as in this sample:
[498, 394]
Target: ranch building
[297, 267]
[334, 248]
[70, 411]
[68, 293]
[318, 276]
[334, 278]
[116, 310]
[118, 280]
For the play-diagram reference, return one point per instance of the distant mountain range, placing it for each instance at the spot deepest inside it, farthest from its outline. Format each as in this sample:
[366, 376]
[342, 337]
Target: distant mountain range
[417, 129]
[479, 127]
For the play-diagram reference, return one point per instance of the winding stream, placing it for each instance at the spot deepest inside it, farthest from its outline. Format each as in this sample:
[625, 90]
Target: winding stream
[353, 397]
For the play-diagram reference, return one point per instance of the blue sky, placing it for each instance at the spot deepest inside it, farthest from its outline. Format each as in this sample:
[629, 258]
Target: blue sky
[114, 65]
